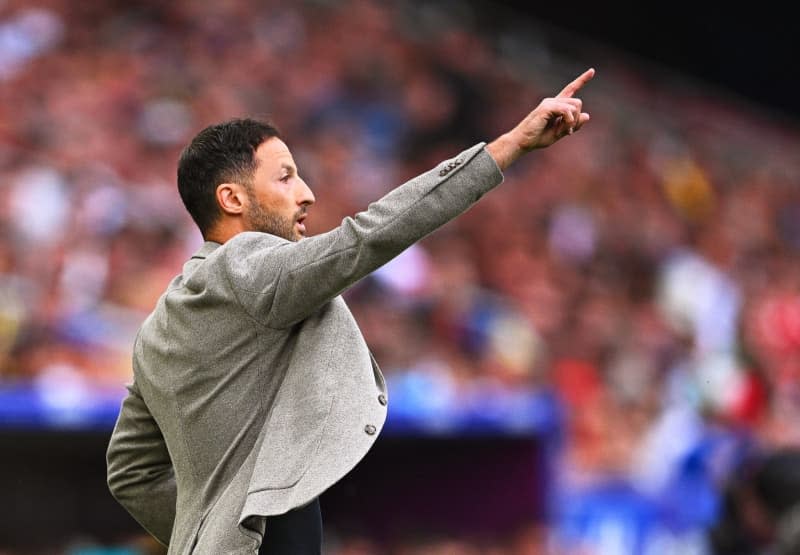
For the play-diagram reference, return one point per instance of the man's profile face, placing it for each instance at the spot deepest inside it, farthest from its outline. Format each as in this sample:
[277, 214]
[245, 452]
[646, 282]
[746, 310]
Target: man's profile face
[278, 197]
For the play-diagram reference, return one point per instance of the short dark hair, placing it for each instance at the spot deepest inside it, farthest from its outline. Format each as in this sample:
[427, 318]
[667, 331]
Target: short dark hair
[221, 153]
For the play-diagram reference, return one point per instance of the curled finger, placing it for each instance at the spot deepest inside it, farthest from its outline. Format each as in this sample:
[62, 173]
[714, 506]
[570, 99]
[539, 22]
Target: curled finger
[567, 111]
[582, 119]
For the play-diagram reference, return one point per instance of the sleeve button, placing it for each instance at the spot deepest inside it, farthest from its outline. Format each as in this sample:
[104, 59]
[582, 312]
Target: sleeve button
[370, 429]
[382, 399]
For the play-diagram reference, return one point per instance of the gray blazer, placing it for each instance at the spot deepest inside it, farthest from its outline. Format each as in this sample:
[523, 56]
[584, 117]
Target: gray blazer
[253, 389]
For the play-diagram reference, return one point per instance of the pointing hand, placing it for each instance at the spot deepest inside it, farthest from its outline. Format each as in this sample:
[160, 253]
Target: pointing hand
[553, 119]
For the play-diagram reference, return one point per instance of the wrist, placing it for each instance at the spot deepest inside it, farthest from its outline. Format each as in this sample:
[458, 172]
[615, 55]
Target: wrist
[505, 150]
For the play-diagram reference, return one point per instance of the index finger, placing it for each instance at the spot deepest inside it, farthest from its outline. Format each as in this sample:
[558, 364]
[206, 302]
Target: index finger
[576, 85]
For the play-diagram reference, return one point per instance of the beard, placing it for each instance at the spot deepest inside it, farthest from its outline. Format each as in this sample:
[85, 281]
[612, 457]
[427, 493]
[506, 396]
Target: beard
[264, 220]
[267, 221]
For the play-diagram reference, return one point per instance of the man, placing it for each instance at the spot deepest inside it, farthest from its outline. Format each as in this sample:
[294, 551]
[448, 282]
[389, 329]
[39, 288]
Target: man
[253, 388]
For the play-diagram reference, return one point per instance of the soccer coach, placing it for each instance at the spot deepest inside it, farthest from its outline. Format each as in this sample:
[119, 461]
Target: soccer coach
[253, 389]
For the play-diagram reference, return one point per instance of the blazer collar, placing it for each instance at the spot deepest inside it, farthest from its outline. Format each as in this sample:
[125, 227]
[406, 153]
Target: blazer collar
[207, 248]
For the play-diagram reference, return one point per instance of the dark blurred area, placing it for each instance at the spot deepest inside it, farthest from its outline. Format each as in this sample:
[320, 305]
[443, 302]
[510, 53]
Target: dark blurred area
[762, 507]
[627, 302]
[743, 49]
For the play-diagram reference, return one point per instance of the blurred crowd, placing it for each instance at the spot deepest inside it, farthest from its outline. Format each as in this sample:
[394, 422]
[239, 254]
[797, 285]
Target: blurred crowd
[644, 271]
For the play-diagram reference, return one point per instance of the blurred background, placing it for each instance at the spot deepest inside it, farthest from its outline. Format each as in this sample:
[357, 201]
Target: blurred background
[600, 358]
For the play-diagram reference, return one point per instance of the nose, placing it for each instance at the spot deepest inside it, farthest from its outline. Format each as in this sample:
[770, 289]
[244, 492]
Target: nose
[305, 195]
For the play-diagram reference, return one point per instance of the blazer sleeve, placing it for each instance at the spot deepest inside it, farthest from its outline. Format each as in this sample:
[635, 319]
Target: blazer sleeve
[280, 282]
[140, 473]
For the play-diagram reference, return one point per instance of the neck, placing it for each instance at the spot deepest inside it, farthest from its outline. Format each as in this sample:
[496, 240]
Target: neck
[224, 230]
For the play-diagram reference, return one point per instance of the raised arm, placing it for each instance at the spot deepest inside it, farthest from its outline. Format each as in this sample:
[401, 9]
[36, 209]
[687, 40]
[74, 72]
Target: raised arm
[280, 282]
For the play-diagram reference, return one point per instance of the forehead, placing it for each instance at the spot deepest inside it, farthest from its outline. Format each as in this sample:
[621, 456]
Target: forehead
[273, 153]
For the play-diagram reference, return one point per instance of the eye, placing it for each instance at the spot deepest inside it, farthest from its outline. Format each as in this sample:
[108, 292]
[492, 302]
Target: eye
[285, 178]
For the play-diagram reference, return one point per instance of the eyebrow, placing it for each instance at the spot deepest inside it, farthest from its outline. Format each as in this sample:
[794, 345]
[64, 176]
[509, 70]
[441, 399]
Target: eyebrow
[288, 167]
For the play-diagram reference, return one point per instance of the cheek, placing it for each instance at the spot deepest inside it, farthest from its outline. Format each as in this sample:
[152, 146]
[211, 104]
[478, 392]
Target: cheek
[290, 204]
[277, 198]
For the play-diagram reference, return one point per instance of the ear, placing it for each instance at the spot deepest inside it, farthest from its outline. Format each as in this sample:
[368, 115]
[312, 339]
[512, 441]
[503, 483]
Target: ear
[232, 198]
